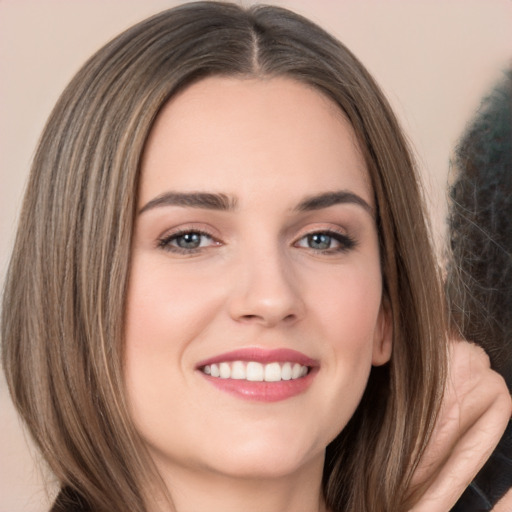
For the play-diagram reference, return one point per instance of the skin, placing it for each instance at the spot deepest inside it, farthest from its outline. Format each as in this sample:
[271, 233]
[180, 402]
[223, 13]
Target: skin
[475, 412]
[256, 280]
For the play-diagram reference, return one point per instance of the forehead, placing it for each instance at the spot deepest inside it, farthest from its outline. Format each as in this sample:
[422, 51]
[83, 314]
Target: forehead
[228, 132]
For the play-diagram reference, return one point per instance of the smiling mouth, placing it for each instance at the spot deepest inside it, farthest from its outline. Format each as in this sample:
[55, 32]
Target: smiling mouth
[254, 371]
[260, 374]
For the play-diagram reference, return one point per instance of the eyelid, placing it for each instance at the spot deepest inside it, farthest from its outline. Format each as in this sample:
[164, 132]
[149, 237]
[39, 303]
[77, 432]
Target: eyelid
[188, 227]
[163, 241]
[346, 241]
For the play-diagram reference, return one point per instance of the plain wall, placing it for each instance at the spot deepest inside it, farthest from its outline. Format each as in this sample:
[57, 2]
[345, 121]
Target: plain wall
[434, 59]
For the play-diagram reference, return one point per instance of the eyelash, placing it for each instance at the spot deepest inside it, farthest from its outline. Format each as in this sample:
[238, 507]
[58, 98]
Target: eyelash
[166, 241]
[346, 242]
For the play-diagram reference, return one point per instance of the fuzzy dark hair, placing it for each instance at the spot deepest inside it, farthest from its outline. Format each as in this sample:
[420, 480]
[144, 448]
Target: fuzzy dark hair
[480, 274]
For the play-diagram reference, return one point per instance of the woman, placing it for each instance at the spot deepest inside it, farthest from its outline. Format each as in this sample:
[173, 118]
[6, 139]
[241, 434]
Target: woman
[222, 292]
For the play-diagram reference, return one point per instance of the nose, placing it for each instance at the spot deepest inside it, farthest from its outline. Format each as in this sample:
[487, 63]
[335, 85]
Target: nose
[265, 291]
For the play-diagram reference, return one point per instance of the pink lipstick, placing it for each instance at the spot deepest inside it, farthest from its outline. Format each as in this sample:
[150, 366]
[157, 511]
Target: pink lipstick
[260, 374]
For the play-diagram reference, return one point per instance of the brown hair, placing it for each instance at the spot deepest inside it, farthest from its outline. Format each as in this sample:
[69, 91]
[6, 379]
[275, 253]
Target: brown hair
[64, 298]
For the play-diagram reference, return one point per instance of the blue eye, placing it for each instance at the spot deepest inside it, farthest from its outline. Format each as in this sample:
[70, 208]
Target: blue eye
[320, 241]
[186, 242]
[327, 242]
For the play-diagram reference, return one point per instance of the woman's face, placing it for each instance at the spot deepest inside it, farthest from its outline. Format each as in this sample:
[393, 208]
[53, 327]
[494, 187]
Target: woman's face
[254, 307]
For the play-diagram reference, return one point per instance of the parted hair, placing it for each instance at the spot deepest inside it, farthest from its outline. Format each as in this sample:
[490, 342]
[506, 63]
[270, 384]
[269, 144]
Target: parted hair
[64, 299]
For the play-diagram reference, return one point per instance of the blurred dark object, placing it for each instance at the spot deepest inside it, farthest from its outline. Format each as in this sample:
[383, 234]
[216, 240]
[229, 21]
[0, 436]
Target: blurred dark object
[479, 279]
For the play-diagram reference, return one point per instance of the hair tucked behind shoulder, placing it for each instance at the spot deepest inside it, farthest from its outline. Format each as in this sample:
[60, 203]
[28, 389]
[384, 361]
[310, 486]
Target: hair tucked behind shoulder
[62, 323]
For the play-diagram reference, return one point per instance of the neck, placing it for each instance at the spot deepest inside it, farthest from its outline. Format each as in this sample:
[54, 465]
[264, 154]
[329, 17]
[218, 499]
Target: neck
[213, 492]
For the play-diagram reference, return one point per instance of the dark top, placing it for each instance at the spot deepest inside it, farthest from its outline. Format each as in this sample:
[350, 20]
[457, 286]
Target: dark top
[69, 500]
[493, 481]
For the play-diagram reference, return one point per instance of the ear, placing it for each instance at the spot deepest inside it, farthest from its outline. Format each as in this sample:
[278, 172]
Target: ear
[383, 337]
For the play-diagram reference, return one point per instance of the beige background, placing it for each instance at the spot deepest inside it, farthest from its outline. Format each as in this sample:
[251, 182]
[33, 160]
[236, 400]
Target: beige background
[433, 58]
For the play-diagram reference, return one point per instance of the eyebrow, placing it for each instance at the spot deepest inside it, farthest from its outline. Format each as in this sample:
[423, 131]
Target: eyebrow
[223, 202]
[324, 200]
[205, 200]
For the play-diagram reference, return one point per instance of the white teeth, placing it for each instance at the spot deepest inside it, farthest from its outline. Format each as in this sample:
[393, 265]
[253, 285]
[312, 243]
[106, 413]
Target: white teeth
[296, 371]
[238, 370]
[224, 370]
[286, 371]
[272, 372]
[256, 372]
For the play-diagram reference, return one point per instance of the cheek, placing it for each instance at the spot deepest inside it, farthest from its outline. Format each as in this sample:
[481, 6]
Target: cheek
[346, 308]
[347, 302]
[163, 311]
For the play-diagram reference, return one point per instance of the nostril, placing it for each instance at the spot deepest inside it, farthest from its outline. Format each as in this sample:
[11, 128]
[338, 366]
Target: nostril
[268, 319]
[250, 317]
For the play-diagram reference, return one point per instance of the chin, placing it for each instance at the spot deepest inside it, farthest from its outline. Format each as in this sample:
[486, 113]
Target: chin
[267, 465]
[265, 455]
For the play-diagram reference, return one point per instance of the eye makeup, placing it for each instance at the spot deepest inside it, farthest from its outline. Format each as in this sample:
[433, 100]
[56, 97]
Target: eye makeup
[328, 241]
[187, 241]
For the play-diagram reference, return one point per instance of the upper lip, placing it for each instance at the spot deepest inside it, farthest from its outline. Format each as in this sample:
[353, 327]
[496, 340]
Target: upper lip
[261, 355]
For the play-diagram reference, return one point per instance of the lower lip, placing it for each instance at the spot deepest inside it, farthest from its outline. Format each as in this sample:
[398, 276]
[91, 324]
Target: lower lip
[263, 391]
